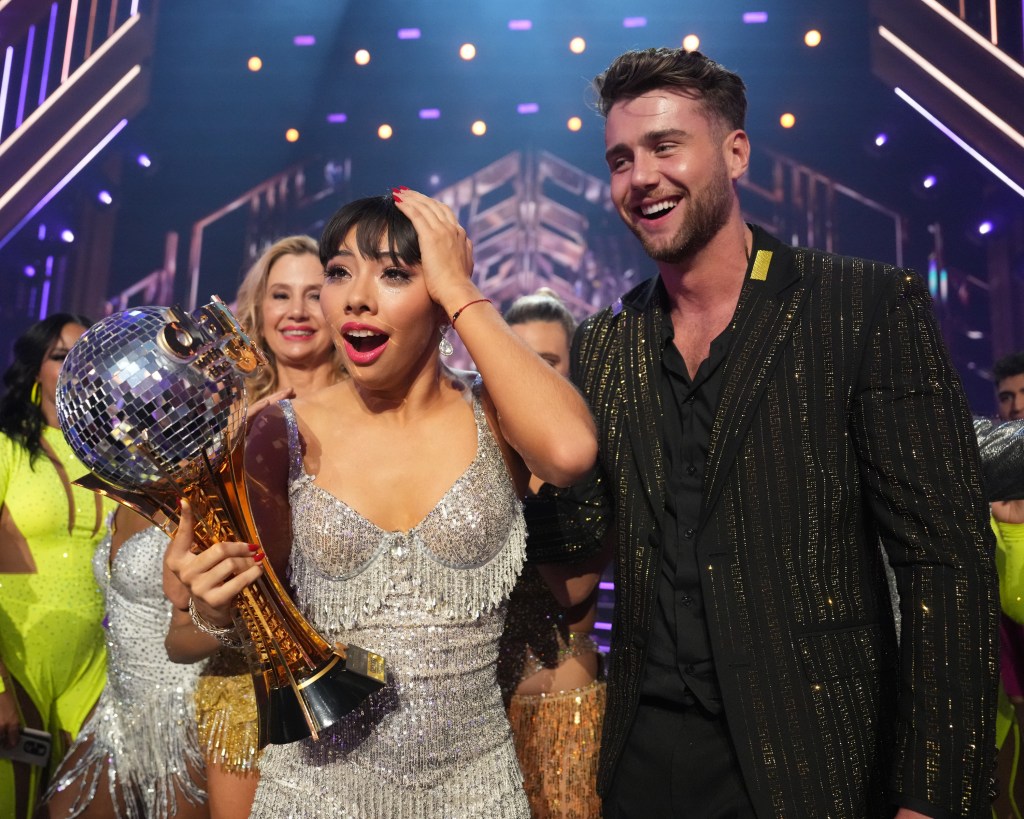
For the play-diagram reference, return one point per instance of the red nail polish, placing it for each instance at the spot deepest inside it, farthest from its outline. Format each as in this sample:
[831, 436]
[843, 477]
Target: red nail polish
[254, 547]
[403, 188]
[396, 198]
[258, 556]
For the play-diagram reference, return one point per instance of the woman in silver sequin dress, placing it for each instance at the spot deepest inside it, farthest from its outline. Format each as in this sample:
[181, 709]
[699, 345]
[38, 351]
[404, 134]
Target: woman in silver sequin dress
[407, 533]
[138, 755]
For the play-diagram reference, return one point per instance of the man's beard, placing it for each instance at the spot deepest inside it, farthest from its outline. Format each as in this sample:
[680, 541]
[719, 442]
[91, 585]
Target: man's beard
[708, 213]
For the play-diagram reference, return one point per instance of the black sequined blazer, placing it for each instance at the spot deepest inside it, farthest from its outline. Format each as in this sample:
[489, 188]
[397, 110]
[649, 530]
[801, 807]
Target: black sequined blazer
[841, 424]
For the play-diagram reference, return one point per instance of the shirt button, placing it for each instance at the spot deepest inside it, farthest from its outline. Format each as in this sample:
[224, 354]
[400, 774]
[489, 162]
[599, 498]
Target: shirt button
[689, 398]
[689, 533]
[691, 470]
[686, 600]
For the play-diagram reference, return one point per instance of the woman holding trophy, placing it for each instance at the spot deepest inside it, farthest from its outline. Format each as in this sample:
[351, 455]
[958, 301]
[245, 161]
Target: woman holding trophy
[278, 305]
[405, 531]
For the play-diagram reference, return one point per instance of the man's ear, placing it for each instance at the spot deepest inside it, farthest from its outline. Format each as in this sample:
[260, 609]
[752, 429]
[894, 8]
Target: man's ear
[737, 153]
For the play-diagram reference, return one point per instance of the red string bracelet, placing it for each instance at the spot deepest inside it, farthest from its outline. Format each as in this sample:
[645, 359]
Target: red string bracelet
[457, 313]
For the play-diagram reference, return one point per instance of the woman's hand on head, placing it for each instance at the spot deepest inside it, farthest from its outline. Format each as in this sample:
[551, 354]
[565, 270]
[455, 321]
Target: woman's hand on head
[446, 252]
[214, 576]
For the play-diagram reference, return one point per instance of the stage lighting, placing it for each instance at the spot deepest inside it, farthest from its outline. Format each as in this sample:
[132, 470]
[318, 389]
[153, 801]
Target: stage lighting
[520, 25]
[881, 139]
[577, 45]
[574, 123]
[362, 57]
[787, 120]
[29, 271]
[929, 182]
[105, 197]
[68, 237]
[634, 22]
[385, 131]
[292, 134]
[408, 34]
[304, 40]
[467, 51]
[985, 228]
[255, 63]
[144, 161]
[430, 113]
[752, 17]
[479, 128]
[691, 42]
[337, 117]
[813, 38]
[527, 108]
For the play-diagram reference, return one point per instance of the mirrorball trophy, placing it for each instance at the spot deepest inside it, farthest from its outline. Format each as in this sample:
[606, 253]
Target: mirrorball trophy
[152, 401]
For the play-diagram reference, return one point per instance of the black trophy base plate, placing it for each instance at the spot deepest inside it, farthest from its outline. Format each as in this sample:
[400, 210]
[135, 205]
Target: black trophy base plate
[329, 697]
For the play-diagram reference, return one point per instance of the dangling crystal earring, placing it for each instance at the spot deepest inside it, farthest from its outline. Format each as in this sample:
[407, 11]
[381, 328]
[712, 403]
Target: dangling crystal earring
[445, 346]
[37, 398]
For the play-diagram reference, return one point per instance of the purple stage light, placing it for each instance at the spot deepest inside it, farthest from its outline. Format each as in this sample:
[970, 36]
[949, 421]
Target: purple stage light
[881, 139]
[30, 271]
[41, 233]
[105, 197]
[520, 25]
[144, 161]
[408, 34]
[599, 626]
[67, 236]
[606, 585]
[634, 22]
[430, 113]
[527, 108]
[339, 117]
[304, 40]
[929, 181]
[755, 17]
[985, 228]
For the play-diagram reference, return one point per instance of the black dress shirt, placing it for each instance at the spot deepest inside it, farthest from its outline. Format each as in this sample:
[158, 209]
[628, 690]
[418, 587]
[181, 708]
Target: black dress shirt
[679, 653]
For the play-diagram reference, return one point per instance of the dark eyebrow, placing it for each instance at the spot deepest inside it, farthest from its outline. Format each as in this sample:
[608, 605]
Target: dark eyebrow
[650, 138]
[380, 254]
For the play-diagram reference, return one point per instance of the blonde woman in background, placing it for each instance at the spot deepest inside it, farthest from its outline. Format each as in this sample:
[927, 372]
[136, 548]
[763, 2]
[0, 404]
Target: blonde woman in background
[549, 668]
[279, 306]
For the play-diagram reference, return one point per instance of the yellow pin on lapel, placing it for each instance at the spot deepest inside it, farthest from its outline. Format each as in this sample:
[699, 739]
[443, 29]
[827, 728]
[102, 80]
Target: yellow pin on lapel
[759, 270]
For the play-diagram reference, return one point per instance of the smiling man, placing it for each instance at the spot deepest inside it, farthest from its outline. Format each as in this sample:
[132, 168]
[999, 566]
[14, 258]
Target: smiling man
[768, 415]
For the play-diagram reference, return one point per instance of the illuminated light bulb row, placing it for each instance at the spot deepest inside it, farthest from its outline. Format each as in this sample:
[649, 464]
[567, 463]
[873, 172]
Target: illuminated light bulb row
[577, 45]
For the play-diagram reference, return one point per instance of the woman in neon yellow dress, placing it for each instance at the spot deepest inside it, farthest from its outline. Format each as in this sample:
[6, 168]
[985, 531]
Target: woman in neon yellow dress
[52, 653]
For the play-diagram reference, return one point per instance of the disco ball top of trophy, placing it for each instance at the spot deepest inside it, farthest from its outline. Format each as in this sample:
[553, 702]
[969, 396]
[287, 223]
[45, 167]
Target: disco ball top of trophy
[138, 411]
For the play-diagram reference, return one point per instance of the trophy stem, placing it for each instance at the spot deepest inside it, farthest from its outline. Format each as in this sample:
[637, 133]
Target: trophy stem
[282, 662]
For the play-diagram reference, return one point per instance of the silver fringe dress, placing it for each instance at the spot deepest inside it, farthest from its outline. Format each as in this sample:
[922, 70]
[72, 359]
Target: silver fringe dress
[143, 731]
[434, 743]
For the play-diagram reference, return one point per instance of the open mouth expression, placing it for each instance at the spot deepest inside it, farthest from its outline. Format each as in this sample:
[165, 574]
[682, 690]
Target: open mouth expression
[364, 343]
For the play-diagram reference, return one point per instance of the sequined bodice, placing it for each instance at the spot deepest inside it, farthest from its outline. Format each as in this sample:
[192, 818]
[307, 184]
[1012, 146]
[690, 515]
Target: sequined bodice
[431, 601]
[138, 616]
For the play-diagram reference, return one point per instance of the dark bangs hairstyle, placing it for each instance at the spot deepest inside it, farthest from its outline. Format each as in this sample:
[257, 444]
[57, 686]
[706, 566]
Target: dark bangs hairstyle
[373, 218]
[20, 419]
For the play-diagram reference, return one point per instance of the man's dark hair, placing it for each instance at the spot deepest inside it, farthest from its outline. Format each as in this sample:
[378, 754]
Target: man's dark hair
[721, 92]
[1008, 365]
